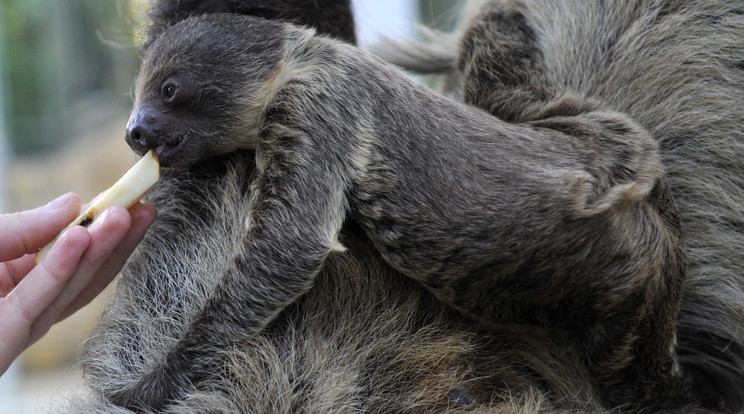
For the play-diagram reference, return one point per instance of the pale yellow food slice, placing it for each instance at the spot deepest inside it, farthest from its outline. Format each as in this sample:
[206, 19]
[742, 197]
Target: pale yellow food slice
[130, 188]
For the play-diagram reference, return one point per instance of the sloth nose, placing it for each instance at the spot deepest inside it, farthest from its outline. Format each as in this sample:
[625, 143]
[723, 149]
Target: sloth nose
[140, 134]
[137, 138]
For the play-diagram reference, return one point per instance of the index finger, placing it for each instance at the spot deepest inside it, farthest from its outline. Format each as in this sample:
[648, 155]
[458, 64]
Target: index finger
[28, 231]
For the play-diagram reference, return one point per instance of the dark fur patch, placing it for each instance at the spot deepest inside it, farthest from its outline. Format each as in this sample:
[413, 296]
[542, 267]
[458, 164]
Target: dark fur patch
[330, 17]
[499, 58]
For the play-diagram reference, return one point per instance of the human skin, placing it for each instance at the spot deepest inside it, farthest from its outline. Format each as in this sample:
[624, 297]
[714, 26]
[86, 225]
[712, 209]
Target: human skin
[81, 264]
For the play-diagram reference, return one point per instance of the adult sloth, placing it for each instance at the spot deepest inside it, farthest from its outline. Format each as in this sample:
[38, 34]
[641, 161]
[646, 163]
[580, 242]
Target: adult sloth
[359, 335]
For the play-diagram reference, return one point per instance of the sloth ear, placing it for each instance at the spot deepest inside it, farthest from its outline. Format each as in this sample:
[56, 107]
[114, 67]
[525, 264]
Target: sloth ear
[331, 17]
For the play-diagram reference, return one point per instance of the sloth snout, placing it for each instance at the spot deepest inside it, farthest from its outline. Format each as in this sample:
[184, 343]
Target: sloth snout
[141, 134]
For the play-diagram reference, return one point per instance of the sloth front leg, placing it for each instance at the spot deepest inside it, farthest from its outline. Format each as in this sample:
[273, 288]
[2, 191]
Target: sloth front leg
[297, 213]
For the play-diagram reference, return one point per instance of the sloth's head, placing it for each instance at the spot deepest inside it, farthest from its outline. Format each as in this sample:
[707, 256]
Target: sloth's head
[199, 91]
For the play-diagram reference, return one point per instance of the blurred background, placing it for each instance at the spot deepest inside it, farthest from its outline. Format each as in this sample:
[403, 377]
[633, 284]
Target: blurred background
[66, 73]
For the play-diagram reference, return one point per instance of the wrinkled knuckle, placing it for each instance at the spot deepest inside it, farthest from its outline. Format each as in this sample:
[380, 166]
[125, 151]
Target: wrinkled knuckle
[16, 304]
[54, 272]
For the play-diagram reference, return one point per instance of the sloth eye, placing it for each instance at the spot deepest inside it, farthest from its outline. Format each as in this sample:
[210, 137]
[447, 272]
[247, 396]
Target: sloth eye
[169, 91]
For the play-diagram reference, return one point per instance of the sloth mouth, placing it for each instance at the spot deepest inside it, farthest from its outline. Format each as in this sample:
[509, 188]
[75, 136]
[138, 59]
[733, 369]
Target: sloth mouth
[168, 151]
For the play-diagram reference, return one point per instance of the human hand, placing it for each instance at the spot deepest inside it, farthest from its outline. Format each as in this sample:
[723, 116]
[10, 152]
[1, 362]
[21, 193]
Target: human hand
[80, 265]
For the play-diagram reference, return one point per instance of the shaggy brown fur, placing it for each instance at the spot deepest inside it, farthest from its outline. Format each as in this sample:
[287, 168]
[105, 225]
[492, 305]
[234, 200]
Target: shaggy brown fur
[557, 334]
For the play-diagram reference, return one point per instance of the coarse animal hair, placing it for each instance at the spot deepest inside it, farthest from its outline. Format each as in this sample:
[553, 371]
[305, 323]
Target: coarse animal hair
[366, 337]
[676, 68]
[559, 219]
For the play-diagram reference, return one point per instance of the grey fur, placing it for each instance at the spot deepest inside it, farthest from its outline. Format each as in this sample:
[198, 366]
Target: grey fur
[365, 338]
[675, 67]
[567, 200]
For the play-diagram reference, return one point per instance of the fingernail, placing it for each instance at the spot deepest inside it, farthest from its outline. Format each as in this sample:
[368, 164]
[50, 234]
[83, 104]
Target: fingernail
[59, 202]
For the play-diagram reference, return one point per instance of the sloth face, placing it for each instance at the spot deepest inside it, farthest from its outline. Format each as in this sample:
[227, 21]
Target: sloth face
[198, 92]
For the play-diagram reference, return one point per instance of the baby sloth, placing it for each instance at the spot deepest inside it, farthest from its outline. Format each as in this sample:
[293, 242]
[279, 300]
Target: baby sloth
[560, 222]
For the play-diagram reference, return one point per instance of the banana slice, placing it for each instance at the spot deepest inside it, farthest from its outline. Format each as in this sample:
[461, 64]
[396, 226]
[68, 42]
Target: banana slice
[130, 188]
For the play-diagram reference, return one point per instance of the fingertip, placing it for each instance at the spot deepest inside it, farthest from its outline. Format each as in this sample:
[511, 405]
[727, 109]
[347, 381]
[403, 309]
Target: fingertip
[73, 238]
[143, 207]
[65, 255]
[65, 207]
[76, 202]
[66, 201]
[115, 216]
[143, 212]
[110, 226]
